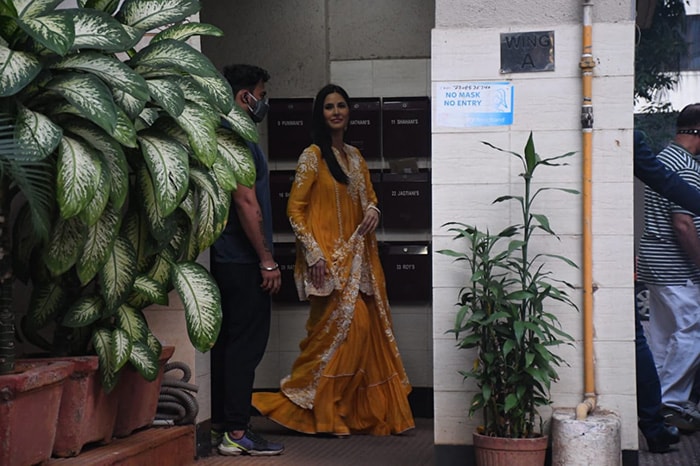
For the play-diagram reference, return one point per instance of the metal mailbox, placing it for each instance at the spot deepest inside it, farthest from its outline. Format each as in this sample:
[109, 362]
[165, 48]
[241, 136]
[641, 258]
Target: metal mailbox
[408, 271]
[280, 185]
[406, 200]
[289, 127]
[406, 127]
[364, 128]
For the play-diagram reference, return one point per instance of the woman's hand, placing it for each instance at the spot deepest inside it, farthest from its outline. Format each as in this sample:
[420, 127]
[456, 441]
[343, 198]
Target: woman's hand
[318, 273]
[369, 223]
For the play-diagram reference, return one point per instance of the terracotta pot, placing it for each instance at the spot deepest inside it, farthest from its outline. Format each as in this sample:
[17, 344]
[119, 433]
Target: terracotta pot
[29, 405]
[87, 413]
[138, 398]
[500, 451]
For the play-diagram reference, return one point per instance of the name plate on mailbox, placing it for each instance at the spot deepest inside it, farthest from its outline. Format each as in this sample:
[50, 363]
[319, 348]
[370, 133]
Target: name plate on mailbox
[525, 52]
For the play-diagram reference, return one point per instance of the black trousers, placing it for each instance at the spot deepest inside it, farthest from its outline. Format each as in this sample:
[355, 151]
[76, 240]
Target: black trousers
[245, 329]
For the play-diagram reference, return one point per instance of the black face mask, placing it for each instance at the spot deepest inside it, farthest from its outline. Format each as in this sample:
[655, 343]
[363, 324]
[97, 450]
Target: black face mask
[258, 112]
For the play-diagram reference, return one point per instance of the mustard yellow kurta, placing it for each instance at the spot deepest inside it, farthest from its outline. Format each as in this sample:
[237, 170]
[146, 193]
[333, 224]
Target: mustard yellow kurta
[349, 377]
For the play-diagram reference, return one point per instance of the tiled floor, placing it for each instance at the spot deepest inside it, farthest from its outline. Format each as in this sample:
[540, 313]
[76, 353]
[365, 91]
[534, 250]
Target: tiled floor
[414, 448]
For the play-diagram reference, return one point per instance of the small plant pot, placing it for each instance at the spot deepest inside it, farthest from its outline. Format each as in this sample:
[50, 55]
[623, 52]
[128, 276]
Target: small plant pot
[501, 451]
[138, 398]
[29, 404]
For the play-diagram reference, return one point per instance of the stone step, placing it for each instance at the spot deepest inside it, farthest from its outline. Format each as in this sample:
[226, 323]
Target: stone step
[154, 446]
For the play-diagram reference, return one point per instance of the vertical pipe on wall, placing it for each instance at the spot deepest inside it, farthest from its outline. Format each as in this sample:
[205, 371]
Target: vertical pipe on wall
[587, 64]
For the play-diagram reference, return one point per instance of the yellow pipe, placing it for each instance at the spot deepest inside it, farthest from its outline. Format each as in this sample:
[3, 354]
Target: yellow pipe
[587, 64]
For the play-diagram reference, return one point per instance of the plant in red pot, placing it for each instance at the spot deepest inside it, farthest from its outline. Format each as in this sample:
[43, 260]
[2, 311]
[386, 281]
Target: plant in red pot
[135, 170]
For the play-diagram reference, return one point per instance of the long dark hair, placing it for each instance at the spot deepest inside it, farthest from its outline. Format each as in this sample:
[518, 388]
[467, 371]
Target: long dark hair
[320, 134]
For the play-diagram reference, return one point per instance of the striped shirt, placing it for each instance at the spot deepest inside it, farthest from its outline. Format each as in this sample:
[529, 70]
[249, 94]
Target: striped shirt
[661, 259]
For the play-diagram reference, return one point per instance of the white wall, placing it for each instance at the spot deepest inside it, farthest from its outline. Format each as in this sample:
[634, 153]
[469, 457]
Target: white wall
[467, 176]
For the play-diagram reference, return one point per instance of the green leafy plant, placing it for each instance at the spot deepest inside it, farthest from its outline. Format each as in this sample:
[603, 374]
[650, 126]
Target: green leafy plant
[127, 117]
[503, 312]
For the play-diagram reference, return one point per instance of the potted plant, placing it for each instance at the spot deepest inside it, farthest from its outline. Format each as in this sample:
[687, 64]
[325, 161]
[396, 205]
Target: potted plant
[139, 167]
[505, 317]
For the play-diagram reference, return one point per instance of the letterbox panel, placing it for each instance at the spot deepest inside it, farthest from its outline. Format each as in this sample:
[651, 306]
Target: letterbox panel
[289, 127]
[364, 129]
[280, 185]
[285, 255]
[406, 200]
[408, 271]
[406, 127]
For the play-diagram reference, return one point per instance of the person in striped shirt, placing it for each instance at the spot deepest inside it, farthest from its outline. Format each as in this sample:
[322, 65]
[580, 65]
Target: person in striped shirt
[669, 265]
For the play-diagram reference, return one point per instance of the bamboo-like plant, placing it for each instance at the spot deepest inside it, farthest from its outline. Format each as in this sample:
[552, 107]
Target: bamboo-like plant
[504, 316]
[140, 166]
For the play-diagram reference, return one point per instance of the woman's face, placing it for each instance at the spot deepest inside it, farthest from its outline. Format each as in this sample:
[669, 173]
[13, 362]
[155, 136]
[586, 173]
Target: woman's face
[336, 112]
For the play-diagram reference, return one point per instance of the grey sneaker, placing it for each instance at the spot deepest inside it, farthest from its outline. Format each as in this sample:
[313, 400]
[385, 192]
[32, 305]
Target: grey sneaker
[250, 444]
[686, 417]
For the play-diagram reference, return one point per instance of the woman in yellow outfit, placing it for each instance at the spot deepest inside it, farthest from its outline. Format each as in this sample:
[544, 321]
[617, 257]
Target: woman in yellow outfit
[349, 377]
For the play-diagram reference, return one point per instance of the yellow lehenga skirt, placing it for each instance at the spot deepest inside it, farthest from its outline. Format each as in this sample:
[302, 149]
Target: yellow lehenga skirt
[361, 388]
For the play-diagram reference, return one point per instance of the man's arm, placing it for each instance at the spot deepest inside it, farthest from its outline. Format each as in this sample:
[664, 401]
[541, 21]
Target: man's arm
[246, 205]
[662, 180]
[687, 236]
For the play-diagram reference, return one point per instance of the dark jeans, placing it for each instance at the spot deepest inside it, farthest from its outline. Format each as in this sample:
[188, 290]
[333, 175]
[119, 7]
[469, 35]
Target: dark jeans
[648, 385]
[245, 329]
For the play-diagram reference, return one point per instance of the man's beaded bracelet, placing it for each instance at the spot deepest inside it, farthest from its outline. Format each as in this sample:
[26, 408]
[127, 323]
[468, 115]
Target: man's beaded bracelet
[270, 269]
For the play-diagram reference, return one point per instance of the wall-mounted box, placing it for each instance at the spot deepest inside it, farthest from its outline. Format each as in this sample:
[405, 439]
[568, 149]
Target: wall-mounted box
[406, 127]
[285, 255]
[365, 126]
[280, 185]
[289, 128]
[408, 271]
[406, 200]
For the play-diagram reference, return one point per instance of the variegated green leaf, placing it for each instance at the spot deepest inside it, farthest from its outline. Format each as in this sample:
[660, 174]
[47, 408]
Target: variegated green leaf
[65, 245]
[90, 96]
[112, 156]
[32, 8]
[157, 222]
[118, 274]
[124, 132]
[194, 92]
[200, 127]
[96, 29]
[78, 176]
[94, 209]
[225, 176]
[132, 322]
[218, 90]
[151, 290]
[84, 311]
[206, 220]
[127, 102]
[17, 70]
[241, 124]
[184, 31]
[236, 154]
[46, 302]
[168, 163]
[122, 348]
[110, 70]
[135, 230]
[168, 95]
[54, 31]
[154, 345]
[37, 132]
[104, 347]
[99, 241]
[173, 55]
[144, 360]
[187, 205]
[202, 302]
[108, 6]
[160, 271]
[151, 14]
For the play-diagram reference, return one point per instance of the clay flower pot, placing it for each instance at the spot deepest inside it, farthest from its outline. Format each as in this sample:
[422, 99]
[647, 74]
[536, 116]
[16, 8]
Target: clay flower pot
[501, 451]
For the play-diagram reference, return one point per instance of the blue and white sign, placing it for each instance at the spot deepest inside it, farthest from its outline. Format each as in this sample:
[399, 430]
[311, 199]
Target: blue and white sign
[469, 104]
